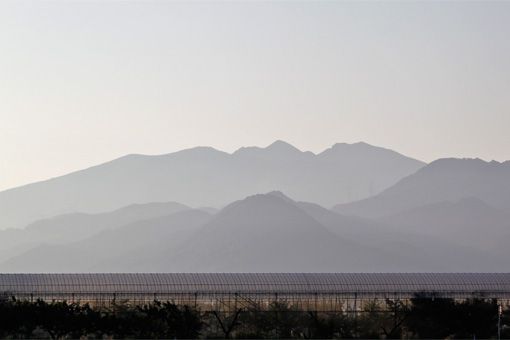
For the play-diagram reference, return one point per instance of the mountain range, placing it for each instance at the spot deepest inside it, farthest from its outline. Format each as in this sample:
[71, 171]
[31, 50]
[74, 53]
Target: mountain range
[73, 227]
[204, 176]
[442, 180]
[261, 233]
[447, 216]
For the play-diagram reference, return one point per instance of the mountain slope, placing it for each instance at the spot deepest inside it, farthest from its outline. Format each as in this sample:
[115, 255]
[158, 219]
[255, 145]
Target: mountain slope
[443, 180]
[469, 221]
[262, 233]
[412, 249]
[73, 227]
[273, 233]
[207, 177]
[113, 250]
[266, 233]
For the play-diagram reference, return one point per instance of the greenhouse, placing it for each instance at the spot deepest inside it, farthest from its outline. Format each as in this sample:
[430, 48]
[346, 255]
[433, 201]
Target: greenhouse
[225, 292]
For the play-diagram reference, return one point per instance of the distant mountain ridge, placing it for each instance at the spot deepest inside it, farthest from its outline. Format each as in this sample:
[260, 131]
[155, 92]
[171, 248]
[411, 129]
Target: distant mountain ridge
[469, 221]
[261, 233]
[464, 201]
[450, 215]
[74, 227]
[444, 180]
[204, 176]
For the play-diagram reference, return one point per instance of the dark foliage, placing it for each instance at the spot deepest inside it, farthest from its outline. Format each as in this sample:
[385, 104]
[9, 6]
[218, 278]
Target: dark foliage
[422, 317]
[441, 318]
[60, 320]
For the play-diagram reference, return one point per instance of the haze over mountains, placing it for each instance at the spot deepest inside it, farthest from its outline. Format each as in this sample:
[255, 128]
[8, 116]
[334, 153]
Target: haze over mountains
[262, 233]
[469, 222]
[444, 180]
[74, 227]
[450, 215]
[207, 177]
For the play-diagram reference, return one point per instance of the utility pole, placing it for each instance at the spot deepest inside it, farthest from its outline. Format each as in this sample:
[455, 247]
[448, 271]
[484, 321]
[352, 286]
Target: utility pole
[500, 312]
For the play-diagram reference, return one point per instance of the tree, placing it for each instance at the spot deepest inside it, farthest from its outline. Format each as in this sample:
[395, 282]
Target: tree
[228, 322]
[330, 325]
[278, 320]
[476, 318]
[60, 319]
[432, 317]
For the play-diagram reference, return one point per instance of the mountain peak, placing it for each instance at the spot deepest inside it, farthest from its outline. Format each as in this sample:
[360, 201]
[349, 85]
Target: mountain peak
[269, 196]
[279, 194]
[349, 148]
[364, 151]
[204, 176]
[357, 144]
[460, 164]
[280, 145]
[444, 180]
[277, 148]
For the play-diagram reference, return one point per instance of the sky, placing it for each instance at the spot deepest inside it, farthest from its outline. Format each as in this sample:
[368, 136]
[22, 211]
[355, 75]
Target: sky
[84, 82]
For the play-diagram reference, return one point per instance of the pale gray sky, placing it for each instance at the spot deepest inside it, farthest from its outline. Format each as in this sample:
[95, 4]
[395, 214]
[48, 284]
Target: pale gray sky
[84, 82]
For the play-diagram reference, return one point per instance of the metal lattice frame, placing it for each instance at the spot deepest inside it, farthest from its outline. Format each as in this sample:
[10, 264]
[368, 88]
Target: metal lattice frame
[223, 291]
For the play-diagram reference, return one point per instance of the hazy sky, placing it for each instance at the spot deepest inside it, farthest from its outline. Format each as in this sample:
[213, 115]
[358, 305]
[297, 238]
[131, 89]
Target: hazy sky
[84, 82]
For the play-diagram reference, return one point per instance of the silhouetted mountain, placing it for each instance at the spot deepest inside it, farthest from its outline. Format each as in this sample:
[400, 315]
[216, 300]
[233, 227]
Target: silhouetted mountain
[265, 233]
[268, 233]
[88, 224]
[73, 227]
[112, 250]
[469, 222]
[413, 250]
[207, 177]
[445, 180]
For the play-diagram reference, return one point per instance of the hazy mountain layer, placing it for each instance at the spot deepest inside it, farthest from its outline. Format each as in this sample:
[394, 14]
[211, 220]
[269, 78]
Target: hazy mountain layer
[73, 227]
[469, 222]
[113, 250]
[208, 177]
[262, 233]
[445, 180]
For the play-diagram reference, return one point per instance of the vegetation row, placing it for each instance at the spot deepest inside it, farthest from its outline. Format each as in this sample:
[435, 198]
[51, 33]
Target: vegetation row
[392, 319]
